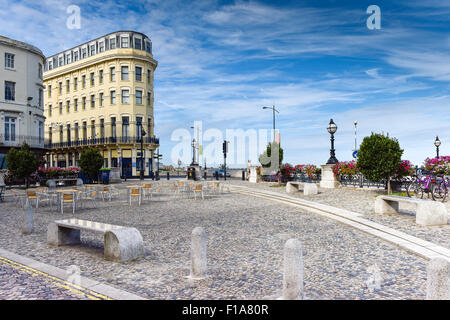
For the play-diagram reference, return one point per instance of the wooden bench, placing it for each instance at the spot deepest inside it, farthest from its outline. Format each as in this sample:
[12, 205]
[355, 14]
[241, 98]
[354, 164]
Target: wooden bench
[308, 188]
[428, 212]
[120, 243]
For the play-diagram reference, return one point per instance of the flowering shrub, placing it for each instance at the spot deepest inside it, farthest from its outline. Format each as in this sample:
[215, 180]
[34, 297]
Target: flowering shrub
[405, 169]
[439, 165]
[345, 167]
[308, 169]
[286, 170]
[52, 172]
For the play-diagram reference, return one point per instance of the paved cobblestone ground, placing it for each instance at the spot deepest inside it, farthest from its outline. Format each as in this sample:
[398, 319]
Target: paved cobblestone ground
[18, 284]
[363, 201]
[246, 236]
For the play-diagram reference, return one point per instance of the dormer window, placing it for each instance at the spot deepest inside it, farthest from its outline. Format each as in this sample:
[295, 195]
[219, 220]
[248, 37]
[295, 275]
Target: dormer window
[148, 47]
[138, 43]
[124, 42]
[92, 49]
[112, 43]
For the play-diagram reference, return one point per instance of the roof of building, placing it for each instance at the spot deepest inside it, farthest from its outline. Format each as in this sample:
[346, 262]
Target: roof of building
[95, 39]
[19, 44]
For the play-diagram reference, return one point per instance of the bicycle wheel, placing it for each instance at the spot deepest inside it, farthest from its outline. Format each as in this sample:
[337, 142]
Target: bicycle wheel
[439, 192]
[418, 190]
[410, 188]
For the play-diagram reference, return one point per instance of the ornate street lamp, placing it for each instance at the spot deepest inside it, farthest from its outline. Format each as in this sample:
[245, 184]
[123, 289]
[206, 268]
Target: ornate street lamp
[332, 128]
[437, 143]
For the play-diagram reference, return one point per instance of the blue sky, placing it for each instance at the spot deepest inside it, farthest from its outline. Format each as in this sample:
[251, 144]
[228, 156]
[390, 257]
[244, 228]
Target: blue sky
[221, 61]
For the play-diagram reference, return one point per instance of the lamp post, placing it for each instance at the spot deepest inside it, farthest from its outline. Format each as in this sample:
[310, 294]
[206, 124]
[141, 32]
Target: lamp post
[332, 128]
[437, 143]
[355, 123]
[193, 152]
[157, 157]
[143, 133]
[225, 151]
[273, 110]
[198, 140]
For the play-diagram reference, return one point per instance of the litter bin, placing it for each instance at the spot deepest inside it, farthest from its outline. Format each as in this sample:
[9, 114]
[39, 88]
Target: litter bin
[105, 176]
[191, 173]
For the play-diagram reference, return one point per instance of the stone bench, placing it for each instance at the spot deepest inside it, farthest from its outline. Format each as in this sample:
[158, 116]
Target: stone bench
[308, 188]
[428, 212]
[121, 243]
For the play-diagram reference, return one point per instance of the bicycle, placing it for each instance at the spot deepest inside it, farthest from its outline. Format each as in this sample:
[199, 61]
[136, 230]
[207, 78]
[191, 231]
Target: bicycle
[418, 187]
[440, 189]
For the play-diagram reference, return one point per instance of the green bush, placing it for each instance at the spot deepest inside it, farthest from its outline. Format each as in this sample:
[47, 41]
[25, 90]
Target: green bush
[379, 157]
[22, 162]
[91, 162]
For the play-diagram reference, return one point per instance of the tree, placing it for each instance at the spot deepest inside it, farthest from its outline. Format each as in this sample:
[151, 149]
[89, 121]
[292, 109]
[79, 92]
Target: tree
[91, 162]
[22, 162]
[379, 157]
[266, 158]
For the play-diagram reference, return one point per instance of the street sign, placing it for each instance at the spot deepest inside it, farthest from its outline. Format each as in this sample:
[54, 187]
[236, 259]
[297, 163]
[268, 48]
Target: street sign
[355, 154]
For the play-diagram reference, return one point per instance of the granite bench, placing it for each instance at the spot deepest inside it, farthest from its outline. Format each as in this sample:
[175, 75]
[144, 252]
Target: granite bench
[428, 212]
[120, 243]
[308, 188]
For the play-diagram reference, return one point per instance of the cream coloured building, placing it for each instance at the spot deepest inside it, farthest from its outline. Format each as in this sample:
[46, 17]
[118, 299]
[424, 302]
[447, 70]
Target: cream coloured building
[21, 97]
[100, 94]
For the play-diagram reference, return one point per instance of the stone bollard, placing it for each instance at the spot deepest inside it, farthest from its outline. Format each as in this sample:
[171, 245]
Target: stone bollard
[438, 274]
[293, 271]
[28, 224]
[198, 254]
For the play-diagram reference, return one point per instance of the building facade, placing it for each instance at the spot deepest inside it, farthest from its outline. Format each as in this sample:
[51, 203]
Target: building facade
[100, 94]
[21, 97]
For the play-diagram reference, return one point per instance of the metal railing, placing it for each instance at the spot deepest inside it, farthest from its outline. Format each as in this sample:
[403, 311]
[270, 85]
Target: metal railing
[100, 141]
[18, 140]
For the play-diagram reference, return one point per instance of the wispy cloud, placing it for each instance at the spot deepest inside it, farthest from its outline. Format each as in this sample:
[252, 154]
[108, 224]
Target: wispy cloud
[221, 62]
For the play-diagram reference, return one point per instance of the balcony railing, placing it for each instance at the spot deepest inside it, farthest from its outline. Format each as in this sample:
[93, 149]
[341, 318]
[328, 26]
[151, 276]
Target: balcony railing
[18, 140]
[100, 141]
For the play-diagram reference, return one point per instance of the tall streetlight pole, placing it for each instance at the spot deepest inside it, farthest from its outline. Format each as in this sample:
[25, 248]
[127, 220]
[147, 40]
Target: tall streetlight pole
[273, 110]
[193, 153]
[158, 156]
[355, 123]
[198, 141]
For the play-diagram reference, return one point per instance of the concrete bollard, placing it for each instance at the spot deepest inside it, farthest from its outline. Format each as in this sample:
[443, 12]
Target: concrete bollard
[293, 271]
[438, 273]
[198, 254]
[28, 224]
